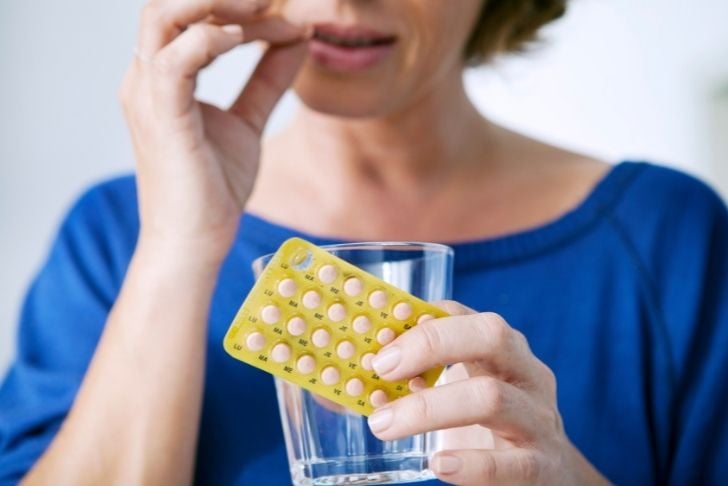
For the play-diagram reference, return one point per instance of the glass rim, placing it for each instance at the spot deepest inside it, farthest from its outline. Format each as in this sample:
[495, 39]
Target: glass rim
[425, 246]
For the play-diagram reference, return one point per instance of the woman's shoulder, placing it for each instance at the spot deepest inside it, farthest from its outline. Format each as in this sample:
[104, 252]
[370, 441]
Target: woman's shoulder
[114, 198]
[675, 228]
[659, 186]
[657, 195]
[103, 218]
[120, 189]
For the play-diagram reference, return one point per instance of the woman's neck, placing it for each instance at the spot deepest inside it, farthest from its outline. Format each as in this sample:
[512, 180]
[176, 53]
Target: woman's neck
[430, 171]
[407, 152]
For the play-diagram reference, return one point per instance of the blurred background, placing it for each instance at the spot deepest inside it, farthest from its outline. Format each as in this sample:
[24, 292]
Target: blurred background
[618, 79]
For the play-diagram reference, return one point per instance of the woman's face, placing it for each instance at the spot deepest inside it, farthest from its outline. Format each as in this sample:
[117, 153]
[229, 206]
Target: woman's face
[373, 57]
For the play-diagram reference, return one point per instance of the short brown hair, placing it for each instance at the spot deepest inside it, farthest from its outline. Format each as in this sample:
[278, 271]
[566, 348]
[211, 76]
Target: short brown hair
[508, 26]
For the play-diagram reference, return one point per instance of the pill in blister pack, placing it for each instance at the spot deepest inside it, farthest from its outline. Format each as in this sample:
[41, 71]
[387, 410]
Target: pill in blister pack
[317, 321]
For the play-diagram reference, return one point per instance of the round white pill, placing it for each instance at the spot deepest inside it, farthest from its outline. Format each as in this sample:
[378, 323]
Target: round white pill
[281, 353]
[402, 311]
[330, 375]
[327, 274]
[321, 338]
[366, 361]
[385, 336]
[361, 324]
[255, 341]
[416, 384]
[306, 364]
[354, 387]
[337, 312]
[311, 299]
[378, 299]
[424, 318]
[378, 398]
[345, 349]
[296, 326]
[270, 314]
[287, 287]
[353, 287]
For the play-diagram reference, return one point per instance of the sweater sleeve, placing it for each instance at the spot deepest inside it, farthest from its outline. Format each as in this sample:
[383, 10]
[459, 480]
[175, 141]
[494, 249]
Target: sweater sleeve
[700, 437]
[61, 321]
[679, 228]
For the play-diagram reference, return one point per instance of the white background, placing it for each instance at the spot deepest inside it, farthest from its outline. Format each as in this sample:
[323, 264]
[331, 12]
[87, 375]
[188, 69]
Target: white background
[618, 79]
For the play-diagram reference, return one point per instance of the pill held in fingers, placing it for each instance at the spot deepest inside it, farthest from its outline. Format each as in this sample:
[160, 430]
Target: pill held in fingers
[318, 321]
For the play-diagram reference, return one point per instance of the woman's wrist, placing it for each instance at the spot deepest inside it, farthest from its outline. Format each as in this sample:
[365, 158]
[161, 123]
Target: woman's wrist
[193, 255]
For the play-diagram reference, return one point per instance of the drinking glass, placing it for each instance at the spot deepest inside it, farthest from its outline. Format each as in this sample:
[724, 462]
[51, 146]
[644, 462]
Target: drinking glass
[329, 445]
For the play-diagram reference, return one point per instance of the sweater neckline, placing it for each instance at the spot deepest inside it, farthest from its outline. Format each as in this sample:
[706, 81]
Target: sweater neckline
[493, 251]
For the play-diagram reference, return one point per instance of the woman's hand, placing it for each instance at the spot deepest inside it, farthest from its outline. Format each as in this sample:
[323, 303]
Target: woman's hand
[506, 389]
[196, 163]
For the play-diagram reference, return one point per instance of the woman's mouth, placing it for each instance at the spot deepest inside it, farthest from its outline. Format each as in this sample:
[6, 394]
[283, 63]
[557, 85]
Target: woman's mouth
[349, 49]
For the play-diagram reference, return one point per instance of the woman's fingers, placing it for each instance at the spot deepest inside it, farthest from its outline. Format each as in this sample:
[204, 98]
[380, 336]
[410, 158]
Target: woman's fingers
[483, 400]
[274, 30]
[485, 341]
[484, 467]
[454, 308]
[201, 43]
[179, 63]
[164, 20]
[195, 48]
[272, 77]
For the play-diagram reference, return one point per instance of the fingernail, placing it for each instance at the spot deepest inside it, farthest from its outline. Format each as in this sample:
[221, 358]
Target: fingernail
[386, 360]
[381, 419]
[233, 29]
[445, 464]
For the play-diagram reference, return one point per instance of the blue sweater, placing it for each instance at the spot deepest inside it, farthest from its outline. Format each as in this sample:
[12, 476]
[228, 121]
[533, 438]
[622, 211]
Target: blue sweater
[625, 298]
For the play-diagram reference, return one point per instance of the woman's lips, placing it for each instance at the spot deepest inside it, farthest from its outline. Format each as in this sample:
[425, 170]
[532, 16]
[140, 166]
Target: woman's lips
[349, 48]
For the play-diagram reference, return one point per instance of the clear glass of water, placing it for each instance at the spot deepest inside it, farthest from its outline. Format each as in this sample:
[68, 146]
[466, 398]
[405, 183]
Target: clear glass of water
[328, 445]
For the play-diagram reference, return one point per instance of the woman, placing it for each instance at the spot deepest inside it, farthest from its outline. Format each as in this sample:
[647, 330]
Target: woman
[610, 280]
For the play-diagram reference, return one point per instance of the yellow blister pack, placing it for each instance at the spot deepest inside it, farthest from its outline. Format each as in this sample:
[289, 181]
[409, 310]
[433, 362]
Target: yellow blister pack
[317, 321]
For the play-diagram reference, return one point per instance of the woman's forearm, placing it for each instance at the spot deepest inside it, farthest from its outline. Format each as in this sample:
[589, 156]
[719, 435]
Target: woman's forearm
[136, 417]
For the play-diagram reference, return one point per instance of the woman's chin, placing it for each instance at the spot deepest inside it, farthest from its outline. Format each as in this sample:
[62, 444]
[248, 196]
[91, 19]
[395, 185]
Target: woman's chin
[343, 99]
